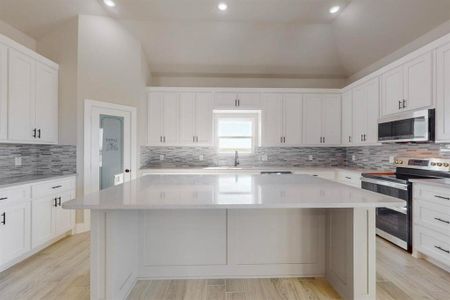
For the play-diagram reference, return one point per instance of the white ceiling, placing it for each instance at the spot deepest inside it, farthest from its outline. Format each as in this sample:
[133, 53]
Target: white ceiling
[291, 38]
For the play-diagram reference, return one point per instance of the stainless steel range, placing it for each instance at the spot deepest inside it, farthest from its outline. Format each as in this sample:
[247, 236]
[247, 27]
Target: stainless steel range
[395, 225]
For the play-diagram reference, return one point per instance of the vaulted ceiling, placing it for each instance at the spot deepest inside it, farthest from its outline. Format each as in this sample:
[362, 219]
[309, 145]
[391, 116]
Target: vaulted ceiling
[291, 38]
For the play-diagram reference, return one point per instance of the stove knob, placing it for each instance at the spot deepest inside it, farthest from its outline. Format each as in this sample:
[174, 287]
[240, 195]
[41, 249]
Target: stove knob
[446, 165]
[433, 164]
[439, 164]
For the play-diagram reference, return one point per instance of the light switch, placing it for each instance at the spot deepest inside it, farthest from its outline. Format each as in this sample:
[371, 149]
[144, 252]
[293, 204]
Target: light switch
[162, 157]
[200, 157]
[18, 161]
[310, 157]
[353, 157]
[391, 159]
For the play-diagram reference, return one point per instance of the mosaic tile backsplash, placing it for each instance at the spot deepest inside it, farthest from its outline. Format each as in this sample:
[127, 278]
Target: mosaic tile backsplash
[367, 157]
[37, 159]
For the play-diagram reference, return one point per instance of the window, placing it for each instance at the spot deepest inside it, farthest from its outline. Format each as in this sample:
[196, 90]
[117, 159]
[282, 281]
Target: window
[236, 132]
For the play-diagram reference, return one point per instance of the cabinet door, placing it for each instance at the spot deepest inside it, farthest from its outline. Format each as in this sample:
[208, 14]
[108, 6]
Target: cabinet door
[312, 119]
[372, 109]
[15, 233]
[331, 128]
[392, 91]
[3, 91]
[359, 113]
[64, 218]
[42, 223]
[347, 118]
[292, 119]
[21, 104]
[46, 103]
[418, 86]
[225, 100]
[187, 119]
[155, 113]
[204, 119]
[170, 118]
[248, 101]
[272, 130]
[443, 93]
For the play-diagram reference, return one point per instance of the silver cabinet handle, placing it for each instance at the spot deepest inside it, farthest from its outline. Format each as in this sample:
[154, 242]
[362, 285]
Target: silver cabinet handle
[239, 102]
[3, 218]
[441, 220]
[442, 249]
[441, 197]
[324, 140]
[164, 139]
[3, 198]
[39, 133]
[284, 139]
[399, 104]
[349, 139]
[160, 139]
[56, 186]
[55, 204]
[404, 103]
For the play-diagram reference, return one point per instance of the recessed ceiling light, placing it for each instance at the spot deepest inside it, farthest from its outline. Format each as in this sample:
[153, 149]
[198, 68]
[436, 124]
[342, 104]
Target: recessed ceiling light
[335, 9]
[109, 3]
[222, 6]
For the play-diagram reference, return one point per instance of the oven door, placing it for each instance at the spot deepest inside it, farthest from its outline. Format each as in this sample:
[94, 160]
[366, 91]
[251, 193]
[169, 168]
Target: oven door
[393, 224]
[407, 127]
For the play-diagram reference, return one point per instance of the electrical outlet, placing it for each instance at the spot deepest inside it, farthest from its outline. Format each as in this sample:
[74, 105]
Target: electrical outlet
[353, 157]
[162, 157]
[310, 157]
[264, 157]
[391, 159]
[18, 161]
[200, 157]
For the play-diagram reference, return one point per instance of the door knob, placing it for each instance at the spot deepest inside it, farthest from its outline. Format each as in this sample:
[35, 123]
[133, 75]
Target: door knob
[127, 171]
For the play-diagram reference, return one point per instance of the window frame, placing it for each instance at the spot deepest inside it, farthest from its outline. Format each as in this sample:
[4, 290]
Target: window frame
[254, 117]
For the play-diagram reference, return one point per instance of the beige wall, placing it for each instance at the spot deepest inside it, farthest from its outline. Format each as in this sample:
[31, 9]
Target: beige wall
[17, 35]
[239, 81]
[61, 46]
[100, 61]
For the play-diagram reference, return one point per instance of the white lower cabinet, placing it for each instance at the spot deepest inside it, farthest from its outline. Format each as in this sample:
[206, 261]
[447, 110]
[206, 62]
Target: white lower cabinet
[431, 223]
[14, 229]
[31, 217]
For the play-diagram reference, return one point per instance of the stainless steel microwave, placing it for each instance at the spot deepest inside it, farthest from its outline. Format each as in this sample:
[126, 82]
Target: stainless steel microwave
[414, 126]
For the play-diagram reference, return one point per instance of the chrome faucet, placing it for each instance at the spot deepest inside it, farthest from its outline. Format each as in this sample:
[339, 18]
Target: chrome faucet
[236, 158]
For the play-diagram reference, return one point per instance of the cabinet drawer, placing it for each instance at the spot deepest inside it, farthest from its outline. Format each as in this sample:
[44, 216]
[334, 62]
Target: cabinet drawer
[432, 215]
[52, 187]
[433, 194]
[14, 193]
[433, 244]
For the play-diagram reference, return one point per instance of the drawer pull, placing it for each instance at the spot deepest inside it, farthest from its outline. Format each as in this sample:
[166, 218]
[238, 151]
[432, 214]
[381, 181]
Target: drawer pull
[442, 249]
[441, 197]
[56, 186]
[4, 218]
[348, 177]
[3, 198]
[441, 220]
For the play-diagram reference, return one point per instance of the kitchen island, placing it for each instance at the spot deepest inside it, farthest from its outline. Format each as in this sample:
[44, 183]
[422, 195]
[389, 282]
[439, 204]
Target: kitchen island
[232, 226]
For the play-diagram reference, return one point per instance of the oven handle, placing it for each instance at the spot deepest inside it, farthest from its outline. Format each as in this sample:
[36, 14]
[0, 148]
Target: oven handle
[400, 186]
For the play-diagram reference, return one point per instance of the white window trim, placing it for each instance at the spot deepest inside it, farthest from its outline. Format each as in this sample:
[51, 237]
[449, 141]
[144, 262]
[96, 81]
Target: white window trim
[255, 116]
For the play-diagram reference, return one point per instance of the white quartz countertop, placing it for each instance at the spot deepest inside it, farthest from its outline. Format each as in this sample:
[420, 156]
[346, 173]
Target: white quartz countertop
[28, 179]
[247, 170]
[230, 191]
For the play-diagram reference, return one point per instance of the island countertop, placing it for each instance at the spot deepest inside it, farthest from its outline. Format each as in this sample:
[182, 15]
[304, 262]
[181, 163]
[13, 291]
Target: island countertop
[230, 192]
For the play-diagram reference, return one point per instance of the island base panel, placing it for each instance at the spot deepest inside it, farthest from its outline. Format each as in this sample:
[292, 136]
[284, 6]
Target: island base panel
[170, 244]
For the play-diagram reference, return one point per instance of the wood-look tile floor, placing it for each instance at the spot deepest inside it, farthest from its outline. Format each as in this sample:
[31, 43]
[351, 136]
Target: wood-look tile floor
[61, 272]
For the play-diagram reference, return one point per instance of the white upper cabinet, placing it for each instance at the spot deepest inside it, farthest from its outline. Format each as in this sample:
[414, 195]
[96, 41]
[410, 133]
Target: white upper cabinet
[33, 100]
[163, 118]
[231, 100]
[365, 112]
[408, 86]
[3, 92]
[46, 103]
[347, 118]
[22, 94]
[282, 119]
[293, 105]
[321, 119]
[443, 93]
[196, 119]
[180, 118]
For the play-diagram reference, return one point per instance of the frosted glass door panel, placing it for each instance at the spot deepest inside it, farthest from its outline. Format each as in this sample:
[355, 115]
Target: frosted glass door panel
[111, 150]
